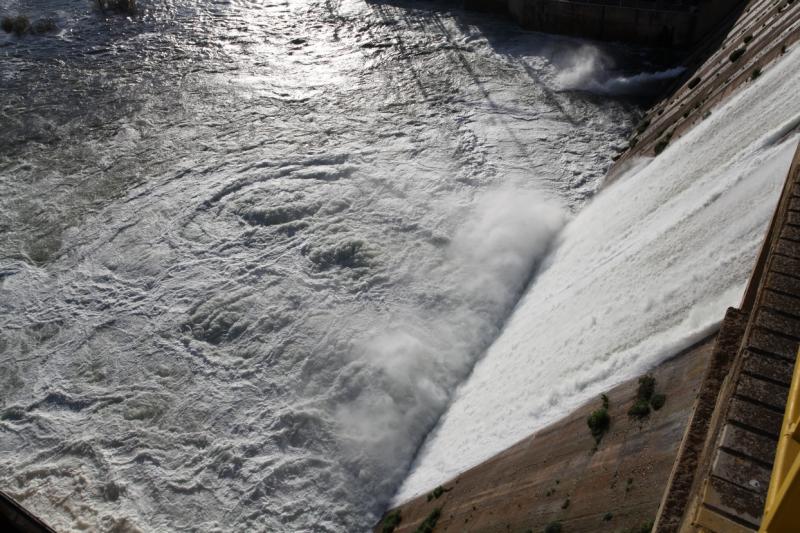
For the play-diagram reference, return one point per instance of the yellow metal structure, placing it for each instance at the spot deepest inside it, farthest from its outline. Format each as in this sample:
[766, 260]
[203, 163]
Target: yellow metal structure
[782, 509]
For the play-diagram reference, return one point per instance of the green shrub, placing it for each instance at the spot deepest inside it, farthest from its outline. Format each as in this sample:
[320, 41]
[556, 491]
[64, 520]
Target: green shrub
[553, 527]
[639, 409]
[604, 399]
[647, 385]
[747, 39]
[429, 523]
[598, 423]
[783, 49]
[657, 401]
[437, 493]
[565, 504]
[660, 146]
[695, 82]
[391, 521]
[756, 73]
[607, 517]
[736, 54]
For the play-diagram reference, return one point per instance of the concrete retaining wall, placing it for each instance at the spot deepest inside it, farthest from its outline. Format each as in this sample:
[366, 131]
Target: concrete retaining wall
[650, 23]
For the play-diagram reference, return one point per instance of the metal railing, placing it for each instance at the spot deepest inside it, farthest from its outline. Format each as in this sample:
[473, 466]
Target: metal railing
[782, 509]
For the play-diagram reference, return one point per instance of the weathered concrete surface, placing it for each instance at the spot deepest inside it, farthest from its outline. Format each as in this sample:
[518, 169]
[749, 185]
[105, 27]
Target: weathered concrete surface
[527, 486]
[685, 471]
[764, 30]
[736, 463]
[647, 22]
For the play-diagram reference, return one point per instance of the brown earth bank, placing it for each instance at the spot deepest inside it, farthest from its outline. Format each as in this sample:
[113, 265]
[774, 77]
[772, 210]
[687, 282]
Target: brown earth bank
[556, 475]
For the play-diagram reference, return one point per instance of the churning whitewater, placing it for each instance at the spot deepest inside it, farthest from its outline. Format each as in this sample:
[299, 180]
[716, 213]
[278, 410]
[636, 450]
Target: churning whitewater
[250, 249]
[644, 271]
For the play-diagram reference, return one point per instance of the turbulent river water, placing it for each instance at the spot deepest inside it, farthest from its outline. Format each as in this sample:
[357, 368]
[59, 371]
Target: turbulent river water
[249, 249]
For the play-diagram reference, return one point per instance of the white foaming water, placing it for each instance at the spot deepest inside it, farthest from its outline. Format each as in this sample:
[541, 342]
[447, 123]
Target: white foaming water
[591, 69]
[645, 270]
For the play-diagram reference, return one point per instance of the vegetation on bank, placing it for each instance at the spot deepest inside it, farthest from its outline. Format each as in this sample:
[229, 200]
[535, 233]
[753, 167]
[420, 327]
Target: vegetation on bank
[599, 421]
[391, 521]
[646, 398]
[21, 25]
[429, 523]
[436, 493]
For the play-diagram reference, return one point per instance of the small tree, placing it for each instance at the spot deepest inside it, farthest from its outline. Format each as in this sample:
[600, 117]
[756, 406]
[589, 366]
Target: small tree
[391, 521]
[657, 401]
[598, 423]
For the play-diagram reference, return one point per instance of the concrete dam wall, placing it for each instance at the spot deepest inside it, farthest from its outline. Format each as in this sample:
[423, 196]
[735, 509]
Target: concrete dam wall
[655, 23]
[650, 23]
[663, 472]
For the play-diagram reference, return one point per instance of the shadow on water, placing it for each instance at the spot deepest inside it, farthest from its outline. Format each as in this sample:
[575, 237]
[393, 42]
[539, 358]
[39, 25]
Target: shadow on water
[516, 46]
[513, 42]
[432, 18]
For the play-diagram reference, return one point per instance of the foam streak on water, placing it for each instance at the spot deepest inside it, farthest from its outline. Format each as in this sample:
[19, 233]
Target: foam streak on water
[249, 249]
[644, 271]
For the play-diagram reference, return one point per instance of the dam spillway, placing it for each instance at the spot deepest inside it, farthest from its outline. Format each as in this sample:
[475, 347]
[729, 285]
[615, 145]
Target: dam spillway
[239, 291]
[696, 212]
[719, 80]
